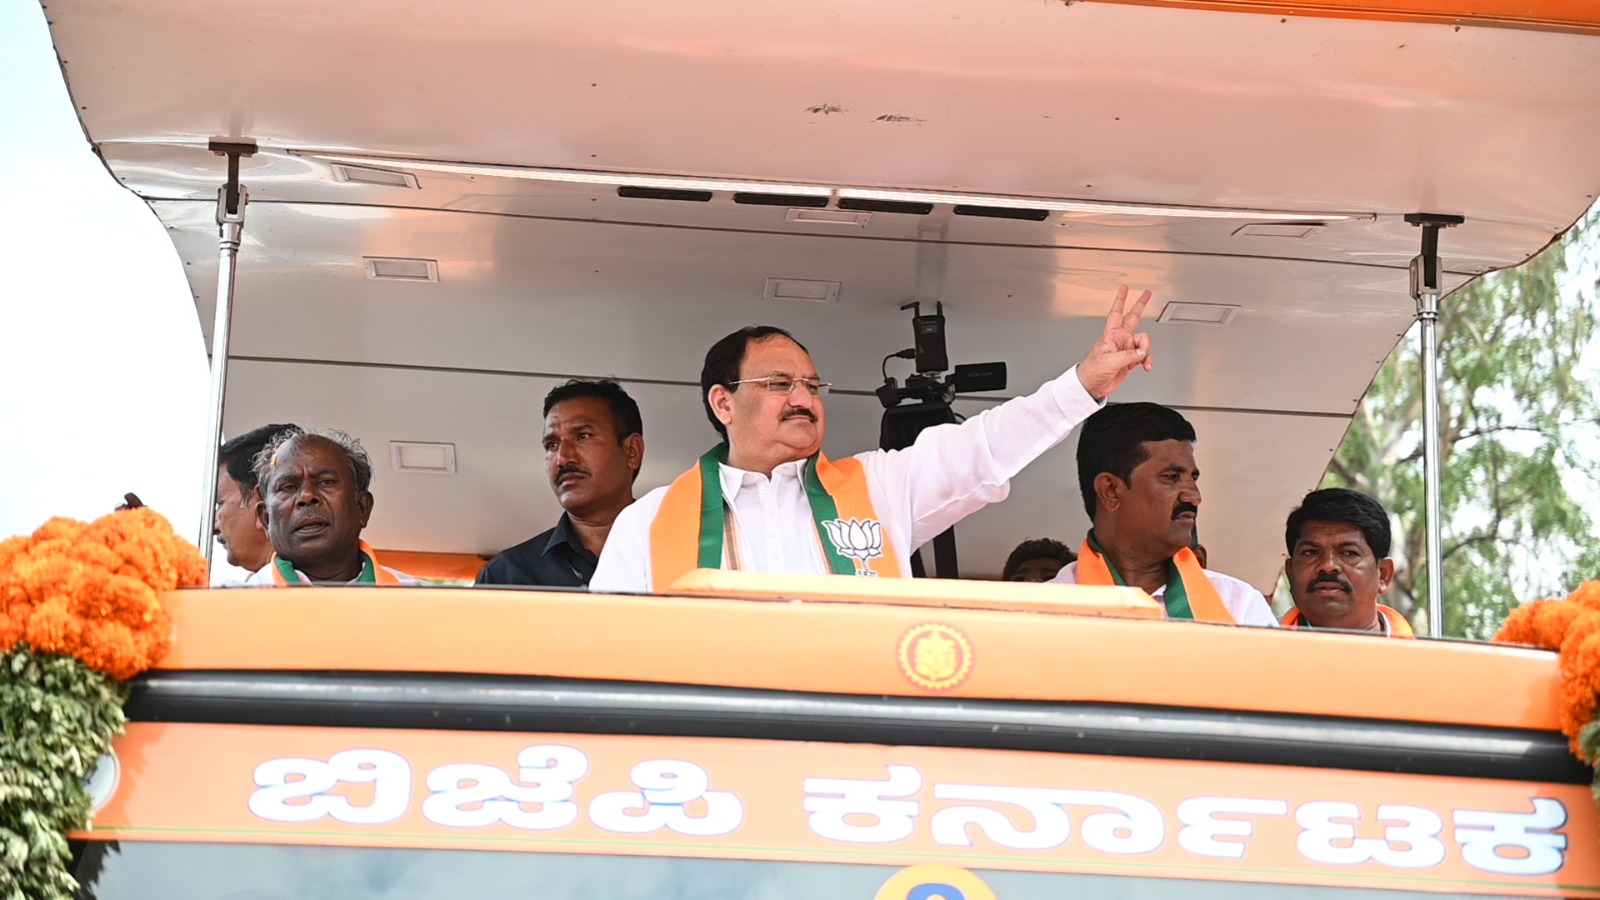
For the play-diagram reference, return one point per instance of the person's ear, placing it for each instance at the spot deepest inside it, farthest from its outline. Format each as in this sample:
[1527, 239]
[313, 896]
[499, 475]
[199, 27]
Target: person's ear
[633, 451]
[259, 504]
[364, 501]
[721, 400]
[1385, 575]
[1108, 490]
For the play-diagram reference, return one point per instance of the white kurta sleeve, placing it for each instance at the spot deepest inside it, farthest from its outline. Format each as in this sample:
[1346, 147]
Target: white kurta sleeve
[953, 470]
[1244, 603]
[624, 566]
[1254, 610]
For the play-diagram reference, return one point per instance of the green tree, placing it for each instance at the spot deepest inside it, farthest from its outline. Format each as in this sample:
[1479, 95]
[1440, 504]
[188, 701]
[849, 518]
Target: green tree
[1521, 442]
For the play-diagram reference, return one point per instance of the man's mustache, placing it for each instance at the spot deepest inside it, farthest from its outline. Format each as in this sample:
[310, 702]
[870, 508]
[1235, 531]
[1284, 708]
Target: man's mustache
[1182, 508]
[1333, 579]
[795, 412]
[569, 469]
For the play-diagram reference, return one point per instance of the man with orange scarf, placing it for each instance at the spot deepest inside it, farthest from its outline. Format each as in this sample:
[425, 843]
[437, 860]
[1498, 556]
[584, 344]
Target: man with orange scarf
[1339, 565]
[1139, 481]
[768, 500]
[315, 502]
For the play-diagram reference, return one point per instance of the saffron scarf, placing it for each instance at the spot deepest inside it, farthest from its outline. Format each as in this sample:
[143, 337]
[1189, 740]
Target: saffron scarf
[285, 575]
[1398, 626]
[1189, 594]
[689, 529]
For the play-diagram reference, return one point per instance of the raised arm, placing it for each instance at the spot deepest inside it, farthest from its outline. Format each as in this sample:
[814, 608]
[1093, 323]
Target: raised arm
[953, 470]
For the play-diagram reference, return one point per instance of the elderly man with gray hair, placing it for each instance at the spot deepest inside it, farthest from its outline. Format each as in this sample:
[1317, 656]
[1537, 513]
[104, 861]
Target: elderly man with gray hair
[315, 502]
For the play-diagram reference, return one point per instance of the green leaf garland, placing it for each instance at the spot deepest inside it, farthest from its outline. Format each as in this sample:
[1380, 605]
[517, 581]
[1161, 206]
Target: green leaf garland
[57, 718]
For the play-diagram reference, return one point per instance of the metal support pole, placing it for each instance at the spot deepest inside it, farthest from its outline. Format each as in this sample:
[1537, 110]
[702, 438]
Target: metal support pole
[1428, 319]
[1425, 290]
[231, 200]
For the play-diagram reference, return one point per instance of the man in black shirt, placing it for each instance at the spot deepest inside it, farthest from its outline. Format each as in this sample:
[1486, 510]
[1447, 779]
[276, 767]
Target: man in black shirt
[593, 448]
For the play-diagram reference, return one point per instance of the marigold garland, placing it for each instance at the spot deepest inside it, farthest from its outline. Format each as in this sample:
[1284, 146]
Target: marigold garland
[93, 591]
[80, 612]
[1570, 627]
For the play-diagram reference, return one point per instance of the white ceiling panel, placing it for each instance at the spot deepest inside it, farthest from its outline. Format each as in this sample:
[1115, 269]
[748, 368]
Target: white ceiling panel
[190, 172]
[534, 296]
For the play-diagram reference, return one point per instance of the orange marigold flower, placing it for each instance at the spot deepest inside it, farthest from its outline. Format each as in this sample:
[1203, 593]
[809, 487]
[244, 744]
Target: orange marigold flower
[1542, 623]
[150, 644]
[111, 647]
[148, 549]
[1585, 623]
[1580, 681]
[1572, 627]
[9, 548]
[192, 571]
[1587, 595]
[39, 551]
[12, 590]
[129, 601]
[94, 591]
[58, 529]
[96, 555]
[42, 578]
[54, 629]
[13, 622]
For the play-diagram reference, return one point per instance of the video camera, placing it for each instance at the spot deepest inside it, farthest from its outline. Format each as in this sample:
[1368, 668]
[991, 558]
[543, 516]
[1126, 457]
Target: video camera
[927, 386]
[933, 394]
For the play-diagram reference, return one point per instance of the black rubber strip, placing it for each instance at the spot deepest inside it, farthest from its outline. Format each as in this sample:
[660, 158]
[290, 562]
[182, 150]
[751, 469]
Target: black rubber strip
[533, 704]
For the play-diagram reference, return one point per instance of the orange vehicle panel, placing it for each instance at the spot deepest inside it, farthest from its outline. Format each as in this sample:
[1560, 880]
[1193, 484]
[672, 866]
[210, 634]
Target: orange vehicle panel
[798, 801]
[862, 648]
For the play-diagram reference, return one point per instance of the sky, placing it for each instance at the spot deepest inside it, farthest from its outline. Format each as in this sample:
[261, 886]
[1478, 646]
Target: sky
[103, 367]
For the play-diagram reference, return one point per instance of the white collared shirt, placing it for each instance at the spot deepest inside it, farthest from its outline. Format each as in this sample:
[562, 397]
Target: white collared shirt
[1244, 602]
[764, 545]
[950, 472]
[225, 575]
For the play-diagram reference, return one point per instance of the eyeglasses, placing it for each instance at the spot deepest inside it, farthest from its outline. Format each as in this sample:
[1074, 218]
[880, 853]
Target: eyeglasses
[784, 383]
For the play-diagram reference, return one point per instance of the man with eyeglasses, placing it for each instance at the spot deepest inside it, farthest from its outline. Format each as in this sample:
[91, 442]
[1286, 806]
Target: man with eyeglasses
[768, 500]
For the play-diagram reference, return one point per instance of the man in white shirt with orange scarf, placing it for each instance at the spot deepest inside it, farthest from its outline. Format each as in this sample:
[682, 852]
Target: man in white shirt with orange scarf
[1140, 486]
[767, 500]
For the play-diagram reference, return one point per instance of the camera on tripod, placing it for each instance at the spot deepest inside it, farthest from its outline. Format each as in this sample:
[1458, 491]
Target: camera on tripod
[928, 386]
[933, 395]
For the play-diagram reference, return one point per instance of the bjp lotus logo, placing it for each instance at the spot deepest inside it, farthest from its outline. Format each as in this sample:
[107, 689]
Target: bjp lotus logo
[857, 539]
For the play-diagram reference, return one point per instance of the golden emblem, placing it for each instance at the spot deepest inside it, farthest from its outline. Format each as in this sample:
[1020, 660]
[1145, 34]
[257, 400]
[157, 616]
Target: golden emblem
[935, 657]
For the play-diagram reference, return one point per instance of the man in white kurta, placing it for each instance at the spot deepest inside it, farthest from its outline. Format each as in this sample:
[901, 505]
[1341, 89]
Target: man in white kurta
[949, 472]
